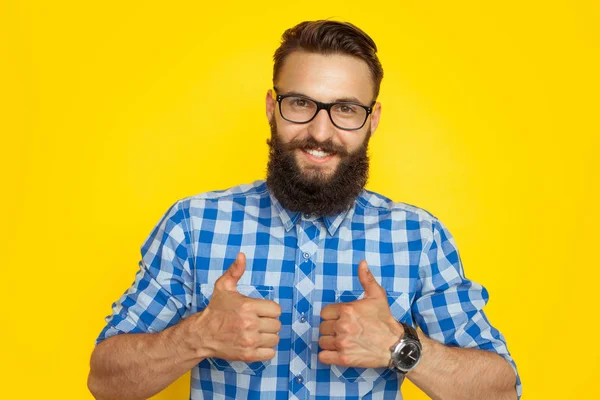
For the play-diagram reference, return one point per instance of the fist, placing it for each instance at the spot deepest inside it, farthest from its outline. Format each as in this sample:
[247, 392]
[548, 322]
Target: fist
[236, 327]
[359, 333]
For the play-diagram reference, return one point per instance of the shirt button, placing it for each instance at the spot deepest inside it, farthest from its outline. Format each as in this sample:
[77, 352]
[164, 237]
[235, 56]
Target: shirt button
[299, 379]
[307, 216]
[306, 256]
[303, 319]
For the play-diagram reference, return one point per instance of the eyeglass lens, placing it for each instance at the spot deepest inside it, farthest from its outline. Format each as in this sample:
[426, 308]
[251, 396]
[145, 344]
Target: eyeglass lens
[345, 115]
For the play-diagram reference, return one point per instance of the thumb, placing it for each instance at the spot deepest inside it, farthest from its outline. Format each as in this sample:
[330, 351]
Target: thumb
[228, 281]
[372, 289]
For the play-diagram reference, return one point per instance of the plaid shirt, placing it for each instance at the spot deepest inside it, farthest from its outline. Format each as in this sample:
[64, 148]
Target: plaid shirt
[303, 263]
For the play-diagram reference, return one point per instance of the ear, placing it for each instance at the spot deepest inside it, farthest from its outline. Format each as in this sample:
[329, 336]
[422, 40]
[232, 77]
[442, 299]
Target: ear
[375, 115]
[270, 104]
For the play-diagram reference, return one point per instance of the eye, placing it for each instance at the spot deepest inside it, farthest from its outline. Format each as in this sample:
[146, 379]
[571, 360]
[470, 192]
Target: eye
[347, 108]
[298, 102]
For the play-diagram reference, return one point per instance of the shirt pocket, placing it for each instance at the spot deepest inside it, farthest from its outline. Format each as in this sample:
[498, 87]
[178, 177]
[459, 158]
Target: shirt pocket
[399, 303]
[239, 367]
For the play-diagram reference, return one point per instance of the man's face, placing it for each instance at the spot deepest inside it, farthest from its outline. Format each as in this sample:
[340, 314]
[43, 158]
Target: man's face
[325, 78]
[316, 167]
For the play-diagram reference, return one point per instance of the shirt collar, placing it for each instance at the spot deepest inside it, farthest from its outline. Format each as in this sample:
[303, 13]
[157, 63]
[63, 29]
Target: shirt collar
[289, 218]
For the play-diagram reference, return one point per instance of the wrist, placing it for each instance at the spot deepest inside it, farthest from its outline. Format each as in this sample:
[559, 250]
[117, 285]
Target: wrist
[406, 352]
[430, 346]
[434, 355]
[396, 332]
[185, 339]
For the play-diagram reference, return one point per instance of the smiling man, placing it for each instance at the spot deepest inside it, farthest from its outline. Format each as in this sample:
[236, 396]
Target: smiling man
[318, 162]
[305, 285]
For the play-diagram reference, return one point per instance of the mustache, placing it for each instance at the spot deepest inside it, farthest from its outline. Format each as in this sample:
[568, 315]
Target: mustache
[310, 143]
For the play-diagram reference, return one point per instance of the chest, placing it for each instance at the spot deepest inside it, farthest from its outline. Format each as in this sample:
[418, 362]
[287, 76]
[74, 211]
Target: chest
[306, 268]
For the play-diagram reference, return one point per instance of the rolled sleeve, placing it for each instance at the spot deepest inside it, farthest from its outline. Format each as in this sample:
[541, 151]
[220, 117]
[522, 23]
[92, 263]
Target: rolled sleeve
[449, 307]
[161, 294]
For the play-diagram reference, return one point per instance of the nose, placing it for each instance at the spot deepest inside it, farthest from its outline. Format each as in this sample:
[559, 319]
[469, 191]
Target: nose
[321, 128]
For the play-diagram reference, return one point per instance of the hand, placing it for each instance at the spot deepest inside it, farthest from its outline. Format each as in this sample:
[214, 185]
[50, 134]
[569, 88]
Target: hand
[359, 333]
[236, 327]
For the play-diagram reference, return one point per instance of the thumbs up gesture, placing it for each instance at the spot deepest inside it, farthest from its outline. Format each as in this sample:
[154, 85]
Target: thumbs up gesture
[359, 333]
[236, 327]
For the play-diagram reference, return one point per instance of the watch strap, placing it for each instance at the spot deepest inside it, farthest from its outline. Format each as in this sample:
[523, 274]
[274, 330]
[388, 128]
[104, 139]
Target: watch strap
[410, 332]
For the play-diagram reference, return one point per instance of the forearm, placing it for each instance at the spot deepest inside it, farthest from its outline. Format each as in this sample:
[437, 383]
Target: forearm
[137, 366]
[458, 373]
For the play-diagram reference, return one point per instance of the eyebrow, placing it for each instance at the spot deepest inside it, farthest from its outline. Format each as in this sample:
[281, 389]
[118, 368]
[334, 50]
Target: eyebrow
[349, 99]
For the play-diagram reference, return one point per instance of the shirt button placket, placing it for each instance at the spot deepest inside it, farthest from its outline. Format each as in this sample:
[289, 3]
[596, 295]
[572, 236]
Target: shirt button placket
[300, 356]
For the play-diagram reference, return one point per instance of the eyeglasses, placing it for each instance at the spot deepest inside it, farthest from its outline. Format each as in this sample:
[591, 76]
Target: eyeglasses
[344, 115]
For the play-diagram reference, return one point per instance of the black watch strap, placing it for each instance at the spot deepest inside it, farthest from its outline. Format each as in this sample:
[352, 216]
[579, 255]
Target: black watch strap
[410, 332]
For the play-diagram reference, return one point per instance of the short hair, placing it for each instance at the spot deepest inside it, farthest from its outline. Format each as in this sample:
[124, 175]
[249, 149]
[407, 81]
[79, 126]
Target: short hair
[329, 37]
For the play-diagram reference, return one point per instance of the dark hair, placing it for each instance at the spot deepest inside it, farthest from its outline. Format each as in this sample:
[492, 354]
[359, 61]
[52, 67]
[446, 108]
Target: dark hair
[329, 37]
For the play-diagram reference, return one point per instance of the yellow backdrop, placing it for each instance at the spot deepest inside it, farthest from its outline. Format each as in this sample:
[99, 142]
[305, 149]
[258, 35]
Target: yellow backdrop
[111, 111]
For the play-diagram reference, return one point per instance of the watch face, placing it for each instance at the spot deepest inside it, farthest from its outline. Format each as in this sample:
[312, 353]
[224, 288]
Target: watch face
[408, 356]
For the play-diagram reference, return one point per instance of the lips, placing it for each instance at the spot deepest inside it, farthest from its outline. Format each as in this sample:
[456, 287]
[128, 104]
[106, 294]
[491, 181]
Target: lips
[317, 153]
[317, 156]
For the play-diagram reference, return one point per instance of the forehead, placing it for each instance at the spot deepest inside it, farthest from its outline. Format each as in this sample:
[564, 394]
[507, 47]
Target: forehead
[326, 77]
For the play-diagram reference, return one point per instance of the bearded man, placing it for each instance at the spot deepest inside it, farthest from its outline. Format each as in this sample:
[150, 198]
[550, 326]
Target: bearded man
[305, 285]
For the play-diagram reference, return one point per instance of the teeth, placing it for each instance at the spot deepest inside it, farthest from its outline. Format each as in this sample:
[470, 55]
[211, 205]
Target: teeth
[317, 153]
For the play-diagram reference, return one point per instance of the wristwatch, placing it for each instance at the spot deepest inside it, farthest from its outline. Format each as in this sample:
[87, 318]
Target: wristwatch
[406, 353]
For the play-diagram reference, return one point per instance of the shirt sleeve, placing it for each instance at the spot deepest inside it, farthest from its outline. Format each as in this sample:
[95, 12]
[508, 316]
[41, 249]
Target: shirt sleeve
[161, 294]
[449, 307]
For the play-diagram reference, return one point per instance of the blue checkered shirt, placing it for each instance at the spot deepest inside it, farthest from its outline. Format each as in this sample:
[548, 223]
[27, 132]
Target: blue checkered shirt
[303, 263]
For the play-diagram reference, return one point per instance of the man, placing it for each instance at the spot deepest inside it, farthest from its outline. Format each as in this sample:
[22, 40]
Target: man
[306, 285]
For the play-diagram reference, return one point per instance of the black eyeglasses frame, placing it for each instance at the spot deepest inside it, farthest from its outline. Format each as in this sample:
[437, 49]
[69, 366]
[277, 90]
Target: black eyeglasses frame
[324, 106]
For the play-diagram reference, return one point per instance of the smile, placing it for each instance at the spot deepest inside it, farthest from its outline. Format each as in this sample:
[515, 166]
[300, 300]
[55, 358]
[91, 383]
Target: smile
[317, 156]
[317, 153]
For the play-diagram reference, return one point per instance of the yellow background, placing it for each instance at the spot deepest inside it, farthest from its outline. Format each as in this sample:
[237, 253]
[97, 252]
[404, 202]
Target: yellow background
[111, 111]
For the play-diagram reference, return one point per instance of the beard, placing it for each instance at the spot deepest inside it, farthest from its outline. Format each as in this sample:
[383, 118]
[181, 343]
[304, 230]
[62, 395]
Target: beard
[311, 191]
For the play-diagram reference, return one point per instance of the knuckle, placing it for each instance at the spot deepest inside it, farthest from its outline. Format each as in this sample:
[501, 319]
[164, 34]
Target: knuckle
[248, 324]
[273, 307]
[346, 308]
[344, 359]
[247, 306]
[269, 354]
[324, 343]
[321, 358]
[345, 327]
[322, 313]
[344, 343]
[246, 357]
[278, 308]
[248, 342]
